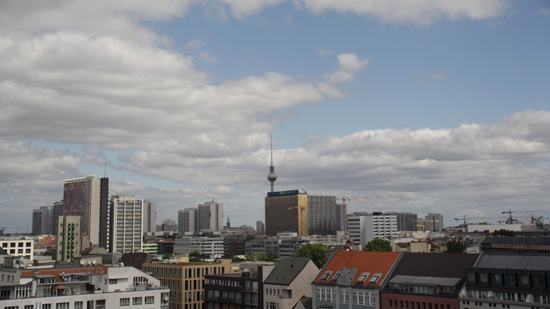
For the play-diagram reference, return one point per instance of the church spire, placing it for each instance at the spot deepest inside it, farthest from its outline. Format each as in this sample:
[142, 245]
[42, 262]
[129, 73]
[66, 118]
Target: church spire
[272, 176]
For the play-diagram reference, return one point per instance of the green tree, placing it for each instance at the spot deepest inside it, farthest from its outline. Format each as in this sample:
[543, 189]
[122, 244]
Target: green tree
[456, 246]
[316, 252]
[378, 245]
[503, 232]
[195, 257]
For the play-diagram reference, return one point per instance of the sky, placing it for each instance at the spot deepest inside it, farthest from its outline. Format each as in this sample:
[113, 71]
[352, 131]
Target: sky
[437, 106]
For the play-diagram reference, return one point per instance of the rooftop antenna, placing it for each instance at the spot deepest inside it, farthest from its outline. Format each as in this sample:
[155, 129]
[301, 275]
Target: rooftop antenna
[272, 176]
[105, 169]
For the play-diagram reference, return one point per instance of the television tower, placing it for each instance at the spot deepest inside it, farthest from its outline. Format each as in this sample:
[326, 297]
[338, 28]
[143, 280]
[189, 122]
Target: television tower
[272, 176]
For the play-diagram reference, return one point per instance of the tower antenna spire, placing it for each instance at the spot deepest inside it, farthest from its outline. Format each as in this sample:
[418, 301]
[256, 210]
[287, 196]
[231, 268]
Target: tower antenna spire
[272, 176]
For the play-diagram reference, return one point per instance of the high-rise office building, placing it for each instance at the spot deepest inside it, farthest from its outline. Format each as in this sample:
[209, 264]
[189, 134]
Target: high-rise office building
[128, 224]
[149, 217]
[57, 211]
[325, 216]
[81, 197]
[406, 221]
[210, 217]
[105, 215]
[187, 221]
[260, 227]
[42, 220]
[286, 211]
[364, 227]
[433, 222]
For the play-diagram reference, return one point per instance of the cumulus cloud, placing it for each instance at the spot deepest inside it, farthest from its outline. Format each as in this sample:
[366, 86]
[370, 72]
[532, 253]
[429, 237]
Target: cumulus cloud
[349, 65]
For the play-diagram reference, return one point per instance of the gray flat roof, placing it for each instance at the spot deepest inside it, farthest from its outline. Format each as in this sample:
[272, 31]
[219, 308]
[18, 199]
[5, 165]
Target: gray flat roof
[424, 281]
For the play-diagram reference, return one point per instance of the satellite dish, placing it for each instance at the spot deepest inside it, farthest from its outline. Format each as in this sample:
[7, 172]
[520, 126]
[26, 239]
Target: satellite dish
[82, 262]
[23, 263]
[166, 298]
[94, 262]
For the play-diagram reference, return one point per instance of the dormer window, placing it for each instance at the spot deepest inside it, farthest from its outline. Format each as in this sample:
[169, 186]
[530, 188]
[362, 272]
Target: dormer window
[326, 275]
[362, 278]
[335, 277]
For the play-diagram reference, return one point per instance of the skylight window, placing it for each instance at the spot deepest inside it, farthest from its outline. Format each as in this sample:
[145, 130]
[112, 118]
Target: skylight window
[362, 278]
[326, 275]
[335, 277]
[375, 278]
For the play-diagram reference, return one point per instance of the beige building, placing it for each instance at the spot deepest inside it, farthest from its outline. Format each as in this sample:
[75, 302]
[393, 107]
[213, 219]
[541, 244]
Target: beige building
[288, 282]
[186, 280]
[68, 238]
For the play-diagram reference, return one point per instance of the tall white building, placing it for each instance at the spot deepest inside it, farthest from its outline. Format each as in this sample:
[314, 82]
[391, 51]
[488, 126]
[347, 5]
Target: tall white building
[128, 223]
[205, 246]
[187, 220]
[364, 227]
[210, 217]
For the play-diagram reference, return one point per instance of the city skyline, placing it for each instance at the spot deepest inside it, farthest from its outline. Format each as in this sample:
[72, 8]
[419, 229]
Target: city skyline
[443, 105]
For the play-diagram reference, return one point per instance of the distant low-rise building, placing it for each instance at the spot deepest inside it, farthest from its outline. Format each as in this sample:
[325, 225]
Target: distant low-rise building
[516, 245]
[18, 246]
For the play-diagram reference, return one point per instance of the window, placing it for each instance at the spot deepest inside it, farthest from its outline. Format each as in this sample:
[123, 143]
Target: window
[497, 278]
[12, 307]
[125, 301]
[375, 278]
[137, 301]
[78, 305]
[524, 279]
[510, 279]
[46, 306]
[362, 278]
[149, 299]
[335, 277]
[483, 277]
[62, 306]
[326, 275]
[28, 307]
[539, 280]
[113, 281]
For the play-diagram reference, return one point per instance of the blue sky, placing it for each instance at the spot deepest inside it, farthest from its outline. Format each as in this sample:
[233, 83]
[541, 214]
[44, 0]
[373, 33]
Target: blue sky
[444, 104]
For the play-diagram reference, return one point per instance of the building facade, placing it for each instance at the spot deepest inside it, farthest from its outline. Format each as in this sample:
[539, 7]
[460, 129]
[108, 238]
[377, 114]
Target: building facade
[68, 238]
[18, 246]
[128, 223]
[210, 217]
[289, 282]
[86, 287]
[286, 211]
[239, 290]
[364, 227]
[325, 216]
[187, 221]
[507, 281]
[186, 280]
[353, 279]
[81, 197]
[209, 246]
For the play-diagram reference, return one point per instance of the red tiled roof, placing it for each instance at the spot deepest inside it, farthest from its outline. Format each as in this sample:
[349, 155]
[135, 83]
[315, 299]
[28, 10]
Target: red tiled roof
[365, 262]
[48, 240]
[100, 269]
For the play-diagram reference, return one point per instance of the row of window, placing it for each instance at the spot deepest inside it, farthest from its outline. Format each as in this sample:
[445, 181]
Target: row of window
[13, 244]
[358, 297]
[395, 304]
[137, 301]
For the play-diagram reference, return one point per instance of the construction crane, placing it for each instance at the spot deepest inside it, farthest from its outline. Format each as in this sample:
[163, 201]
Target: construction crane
[433, 222]
[510, 212]
[465, 219]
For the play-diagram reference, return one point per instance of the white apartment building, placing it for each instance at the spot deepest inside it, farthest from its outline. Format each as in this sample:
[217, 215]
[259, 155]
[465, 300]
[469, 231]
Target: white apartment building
[98, 287]
[18, 246]
[128, 223]
[210, 217]
[364, 227]
[206, 246]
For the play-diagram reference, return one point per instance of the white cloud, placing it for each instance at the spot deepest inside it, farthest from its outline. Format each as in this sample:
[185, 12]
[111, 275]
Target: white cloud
[544, 11]
[194, 44]
[207, 57]
[421, 12]
[349, 65]
[324, 53]
[240, 9]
